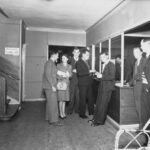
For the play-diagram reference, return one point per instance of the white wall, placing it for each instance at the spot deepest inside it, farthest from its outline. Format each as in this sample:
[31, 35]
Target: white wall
[67, 39]
[130, 14]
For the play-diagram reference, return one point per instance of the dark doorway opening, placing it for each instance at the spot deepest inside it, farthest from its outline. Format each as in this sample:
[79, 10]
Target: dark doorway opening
[62, 50]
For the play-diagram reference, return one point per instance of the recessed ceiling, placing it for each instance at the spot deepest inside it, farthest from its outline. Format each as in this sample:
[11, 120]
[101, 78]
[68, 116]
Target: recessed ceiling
[58, 14]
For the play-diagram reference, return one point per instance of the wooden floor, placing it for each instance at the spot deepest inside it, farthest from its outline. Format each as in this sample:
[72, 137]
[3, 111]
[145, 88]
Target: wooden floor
[29, 131]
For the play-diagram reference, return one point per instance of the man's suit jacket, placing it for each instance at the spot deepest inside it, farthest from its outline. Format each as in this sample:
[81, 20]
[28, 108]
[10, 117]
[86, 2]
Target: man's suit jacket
[138, 74]
[108, 76]
[74, 78]
[49, 76]
[147, 71]
[83, 73]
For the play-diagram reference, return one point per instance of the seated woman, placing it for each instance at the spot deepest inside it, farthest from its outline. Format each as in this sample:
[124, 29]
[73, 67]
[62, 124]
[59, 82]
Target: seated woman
[64, 72]
[107, 81]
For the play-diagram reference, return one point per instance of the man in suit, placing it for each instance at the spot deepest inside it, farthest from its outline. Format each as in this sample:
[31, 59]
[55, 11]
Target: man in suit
[107, 81]
[145, 93]
[49, 86]
[84, 82]
[137, 78]
[74, 90]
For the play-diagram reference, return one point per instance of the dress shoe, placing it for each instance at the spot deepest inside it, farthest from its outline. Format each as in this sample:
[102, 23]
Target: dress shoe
[96, 124]
[91, 121]
[62, 117]
[56, 123]
[83, 116]
[69, 113]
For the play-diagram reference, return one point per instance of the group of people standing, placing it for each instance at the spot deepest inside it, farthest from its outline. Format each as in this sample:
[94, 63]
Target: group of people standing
[76, 88]
[75, 80]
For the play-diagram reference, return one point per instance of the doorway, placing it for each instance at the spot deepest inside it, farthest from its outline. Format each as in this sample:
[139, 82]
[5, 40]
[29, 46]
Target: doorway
[61, 50]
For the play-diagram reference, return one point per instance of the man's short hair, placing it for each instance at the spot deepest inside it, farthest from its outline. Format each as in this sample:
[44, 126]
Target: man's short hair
[66, 55]
[118, 56]
[83, 51]
[147, 39]
[138, 48]
[104, 52]
[75, 48]
[52, 52]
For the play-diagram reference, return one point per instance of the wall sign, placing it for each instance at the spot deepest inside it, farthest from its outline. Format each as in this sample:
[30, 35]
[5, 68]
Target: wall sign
[12, 51]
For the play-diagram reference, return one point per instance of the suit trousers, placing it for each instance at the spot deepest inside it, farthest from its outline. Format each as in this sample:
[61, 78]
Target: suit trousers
[102, 103]
[51, 106]
[145, 105]
[85, 93]
[137, 97]
[74, 99]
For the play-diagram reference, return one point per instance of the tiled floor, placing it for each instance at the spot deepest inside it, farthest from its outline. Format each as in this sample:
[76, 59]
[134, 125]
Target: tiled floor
[29, 131]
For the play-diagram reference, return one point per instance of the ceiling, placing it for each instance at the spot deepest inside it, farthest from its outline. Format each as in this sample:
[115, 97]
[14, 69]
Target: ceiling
[58, 14]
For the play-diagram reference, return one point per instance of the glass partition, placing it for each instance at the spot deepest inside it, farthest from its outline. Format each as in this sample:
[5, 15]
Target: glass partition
[116, 47]
[105, 46]
[116, 56]
[129, 61]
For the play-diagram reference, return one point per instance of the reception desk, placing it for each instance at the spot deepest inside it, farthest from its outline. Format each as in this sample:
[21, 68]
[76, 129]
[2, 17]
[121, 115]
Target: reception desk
[122, 106]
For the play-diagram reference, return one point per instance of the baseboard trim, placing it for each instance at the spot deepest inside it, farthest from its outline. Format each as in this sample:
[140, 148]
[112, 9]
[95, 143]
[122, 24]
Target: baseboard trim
[34, 99]
[113, 122]
[117, 126]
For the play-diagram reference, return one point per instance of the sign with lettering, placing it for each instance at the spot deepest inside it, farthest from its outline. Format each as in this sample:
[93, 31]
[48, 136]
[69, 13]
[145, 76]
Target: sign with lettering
[12, 51]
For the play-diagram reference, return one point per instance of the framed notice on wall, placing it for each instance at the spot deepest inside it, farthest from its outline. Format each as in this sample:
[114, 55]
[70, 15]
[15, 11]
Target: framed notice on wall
[12, 51]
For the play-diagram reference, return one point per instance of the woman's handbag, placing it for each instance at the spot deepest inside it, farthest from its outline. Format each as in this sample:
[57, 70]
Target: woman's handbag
[61, 85]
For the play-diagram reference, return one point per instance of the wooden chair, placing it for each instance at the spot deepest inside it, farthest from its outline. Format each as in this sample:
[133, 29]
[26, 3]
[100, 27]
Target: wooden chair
[7, 111]
[135, 136]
